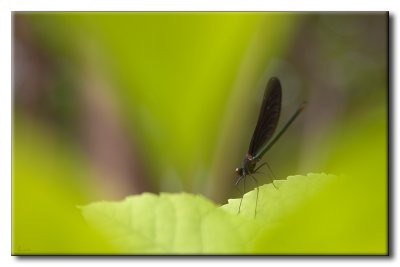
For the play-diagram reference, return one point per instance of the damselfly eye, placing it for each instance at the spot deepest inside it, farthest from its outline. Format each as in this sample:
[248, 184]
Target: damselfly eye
[238, 171]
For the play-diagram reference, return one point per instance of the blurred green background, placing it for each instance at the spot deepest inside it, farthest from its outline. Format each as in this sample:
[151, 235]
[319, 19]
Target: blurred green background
[107, 105]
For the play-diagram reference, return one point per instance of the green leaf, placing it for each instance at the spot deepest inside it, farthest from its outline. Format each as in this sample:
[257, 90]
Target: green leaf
[191, 224]
[168, 224]
[280, 198]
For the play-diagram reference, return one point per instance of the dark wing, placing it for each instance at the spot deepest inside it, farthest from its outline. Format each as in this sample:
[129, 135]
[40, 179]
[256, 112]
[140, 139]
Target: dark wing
[269, 116]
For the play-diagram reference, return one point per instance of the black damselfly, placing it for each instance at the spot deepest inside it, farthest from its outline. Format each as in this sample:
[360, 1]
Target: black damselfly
[265, 128]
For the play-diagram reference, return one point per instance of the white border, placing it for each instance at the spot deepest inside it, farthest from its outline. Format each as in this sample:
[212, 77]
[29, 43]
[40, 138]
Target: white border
[199, 5]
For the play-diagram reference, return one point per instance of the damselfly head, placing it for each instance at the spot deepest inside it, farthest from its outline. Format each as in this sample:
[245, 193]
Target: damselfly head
[239, 171]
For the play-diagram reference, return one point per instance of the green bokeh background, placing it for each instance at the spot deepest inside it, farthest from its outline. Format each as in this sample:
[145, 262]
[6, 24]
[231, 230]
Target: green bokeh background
[180, 92]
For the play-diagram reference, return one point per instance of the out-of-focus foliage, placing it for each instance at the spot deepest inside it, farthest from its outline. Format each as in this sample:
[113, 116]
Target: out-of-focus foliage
[45, 217]
[111, 104]
[171, 73]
